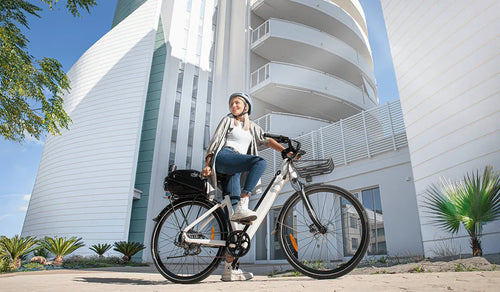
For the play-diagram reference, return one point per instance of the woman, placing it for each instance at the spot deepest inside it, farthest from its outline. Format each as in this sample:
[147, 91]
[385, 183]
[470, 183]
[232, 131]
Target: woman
[233, 151]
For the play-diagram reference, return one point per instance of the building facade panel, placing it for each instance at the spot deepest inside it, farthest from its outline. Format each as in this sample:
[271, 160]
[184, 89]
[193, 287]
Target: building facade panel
[446, 62]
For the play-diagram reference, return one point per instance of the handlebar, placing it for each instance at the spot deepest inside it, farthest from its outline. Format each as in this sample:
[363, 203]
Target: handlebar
[297, 153]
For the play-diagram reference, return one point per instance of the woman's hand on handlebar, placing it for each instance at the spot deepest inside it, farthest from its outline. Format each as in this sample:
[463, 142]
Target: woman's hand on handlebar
[206, 171]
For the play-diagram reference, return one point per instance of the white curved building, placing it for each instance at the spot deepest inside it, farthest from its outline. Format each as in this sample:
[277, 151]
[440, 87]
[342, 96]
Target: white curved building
[311, 50]
[150, 92]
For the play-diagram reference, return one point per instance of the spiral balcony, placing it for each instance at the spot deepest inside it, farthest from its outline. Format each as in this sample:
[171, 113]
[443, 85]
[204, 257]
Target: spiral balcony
[307, 91]
[309, 47]
[322, 15]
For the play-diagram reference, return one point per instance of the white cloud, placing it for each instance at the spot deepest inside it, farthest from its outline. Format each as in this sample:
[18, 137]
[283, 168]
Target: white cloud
[4, 216]
[24, 208]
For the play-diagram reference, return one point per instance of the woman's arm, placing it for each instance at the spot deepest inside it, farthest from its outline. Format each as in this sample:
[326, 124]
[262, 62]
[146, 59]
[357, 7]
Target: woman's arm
[271, 143]
[207, 170]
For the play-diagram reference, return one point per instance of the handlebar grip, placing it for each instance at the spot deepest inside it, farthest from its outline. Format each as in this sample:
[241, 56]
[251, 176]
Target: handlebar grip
[279, 138]
[269, 135]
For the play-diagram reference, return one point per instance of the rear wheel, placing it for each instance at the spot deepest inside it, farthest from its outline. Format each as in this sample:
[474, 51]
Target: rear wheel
[182, 262]
[330, 253]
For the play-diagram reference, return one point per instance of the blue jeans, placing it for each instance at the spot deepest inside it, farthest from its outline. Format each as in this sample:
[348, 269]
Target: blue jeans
[230, 162]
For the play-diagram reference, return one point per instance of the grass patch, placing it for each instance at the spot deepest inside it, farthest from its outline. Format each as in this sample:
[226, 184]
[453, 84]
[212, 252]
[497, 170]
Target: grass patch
[417, 269]
[463, 268]
[383, 272]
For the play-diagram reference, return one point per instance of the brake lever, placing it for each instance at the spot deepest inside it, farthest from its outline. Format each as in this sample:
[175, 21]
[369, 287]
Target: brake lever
[299, 154]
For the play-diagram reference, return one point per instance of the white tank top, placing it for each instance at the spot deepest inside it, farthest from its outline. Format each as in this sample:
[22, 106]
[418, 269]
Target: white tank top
[239, 139]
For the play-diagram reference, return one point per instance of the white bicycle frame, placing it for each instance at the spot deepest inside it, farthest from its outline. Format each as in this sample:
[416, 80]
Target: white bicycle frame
[286, 173]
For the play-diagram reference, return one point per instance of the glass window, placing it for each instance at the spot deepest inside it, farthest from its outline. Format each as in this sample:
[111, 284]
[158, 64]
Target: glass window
[180, 79]
[355, 243]
[372, 202]
[354, 222]
[275, 249]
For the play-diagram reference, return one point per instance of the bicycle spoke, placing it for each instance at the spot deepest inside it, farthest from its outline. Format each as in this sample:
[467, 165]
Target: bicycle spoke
[323, 255]
[185, 262]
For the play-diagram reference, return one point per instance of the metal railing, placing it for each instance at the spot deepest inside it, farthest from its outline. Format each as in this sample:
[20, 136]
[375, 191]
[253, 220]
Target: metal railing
[260, 32]
[260, 75]
[364, 135]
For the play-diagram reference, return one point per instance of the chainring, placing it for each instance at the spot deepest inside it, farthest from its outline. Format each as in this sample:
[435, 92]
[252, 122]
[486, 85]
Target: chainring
[238, 243]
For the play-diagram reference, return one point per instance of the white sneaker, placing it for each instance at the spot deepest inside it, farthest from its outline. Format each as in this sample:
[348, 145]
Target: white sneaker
[242, 213]
[229, 274]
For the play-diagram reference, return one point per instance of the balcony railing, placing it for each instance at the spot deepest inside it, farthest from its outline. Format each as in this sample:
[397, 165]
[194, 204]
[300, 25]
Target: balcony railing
[260, 32]
[260, 75]
[364, 135]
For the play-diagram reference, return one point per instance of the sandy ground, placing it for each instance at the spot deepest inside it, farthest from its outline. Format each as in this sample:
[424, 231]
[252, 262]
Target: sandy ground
[476, 274]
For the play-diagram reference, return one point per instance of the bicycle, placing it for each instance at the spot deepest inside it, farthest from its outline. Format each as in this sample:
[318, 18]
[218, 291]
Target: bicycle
[323, 230]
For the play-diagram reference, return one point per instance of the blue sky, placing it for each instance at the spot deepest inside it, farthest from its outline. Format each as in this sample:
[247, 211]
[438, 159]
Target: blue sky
[57, 34]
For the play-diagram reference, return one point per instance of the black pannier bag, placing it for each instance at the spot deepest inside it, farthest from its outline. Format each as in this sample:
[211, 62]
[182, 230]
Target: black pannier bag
[184, 183]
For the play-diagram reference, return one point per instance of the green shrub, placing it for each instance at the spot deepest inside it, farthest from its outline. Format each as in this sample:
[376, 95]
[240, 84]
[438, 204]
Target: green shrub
[41, 251]
[128, 249]
[33, 266]
[61, 246]
[4, 265]
[16, 248]
[79, 262]
[100, 249]
[472, 203]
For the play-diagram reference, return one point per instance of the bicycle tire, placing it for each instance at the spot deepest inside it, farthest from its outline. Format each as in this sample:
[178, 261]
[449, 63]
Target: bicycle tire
[319, 255]
[172, 257]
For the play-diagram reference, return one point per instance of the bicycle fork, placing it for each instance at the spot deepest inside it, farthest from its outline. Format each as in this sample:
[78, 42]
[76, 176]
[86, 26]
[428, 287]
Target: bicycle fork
[300, 188]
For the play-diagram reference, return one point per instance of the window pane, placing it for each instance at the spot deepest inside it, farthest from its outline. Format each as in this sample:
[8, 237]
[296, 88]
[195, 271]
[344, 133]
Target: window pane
[378, 203]
[275, 249]
[368, 199]
[373, 206]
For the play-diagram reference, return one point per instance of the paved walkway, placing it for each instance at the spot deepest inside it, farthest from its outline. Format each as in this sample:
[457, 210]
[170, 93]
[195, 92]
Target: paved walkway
[145, 279]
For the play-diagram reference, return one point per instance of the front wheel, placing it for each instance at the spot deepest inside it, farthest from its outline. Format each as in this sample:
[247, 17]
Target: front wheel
[183, 262]
[330, 253]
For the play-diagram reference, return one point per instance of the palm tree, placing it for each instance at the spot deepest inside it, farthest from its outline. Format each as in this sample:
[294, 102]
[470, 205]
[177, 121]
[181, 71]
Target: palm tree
[473, 202]
[61, 246]
[128, 249]
[14, 248]
[100, 249]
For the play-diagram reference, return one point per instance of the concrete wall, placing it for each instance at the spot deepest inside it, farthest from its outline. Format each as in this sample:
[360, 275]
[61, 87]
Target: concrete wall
[446, 61]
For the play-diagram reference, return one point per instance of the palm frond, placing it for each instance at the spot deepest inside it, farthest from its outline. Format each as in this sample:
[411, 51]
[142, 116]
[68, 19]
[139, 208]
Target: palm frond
[15, 247]
[62, 246]
[441, 207]
[473, 202]
[128, 249]
[100, 249]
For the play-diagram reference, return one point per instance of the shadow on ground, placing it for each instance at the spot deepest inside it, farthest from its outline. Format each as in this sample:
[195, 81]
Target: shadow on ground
[124, 281]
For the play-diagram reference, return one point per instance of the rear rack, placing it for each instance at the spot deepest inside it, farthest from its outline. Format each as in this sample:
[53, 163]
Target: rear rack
[309, 168]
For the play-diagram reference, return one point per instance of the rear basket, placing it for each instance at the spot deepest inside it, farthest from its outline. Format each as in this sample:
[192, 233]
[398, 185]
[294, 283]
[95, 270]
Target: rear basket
[310, 168]
[185, 183]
